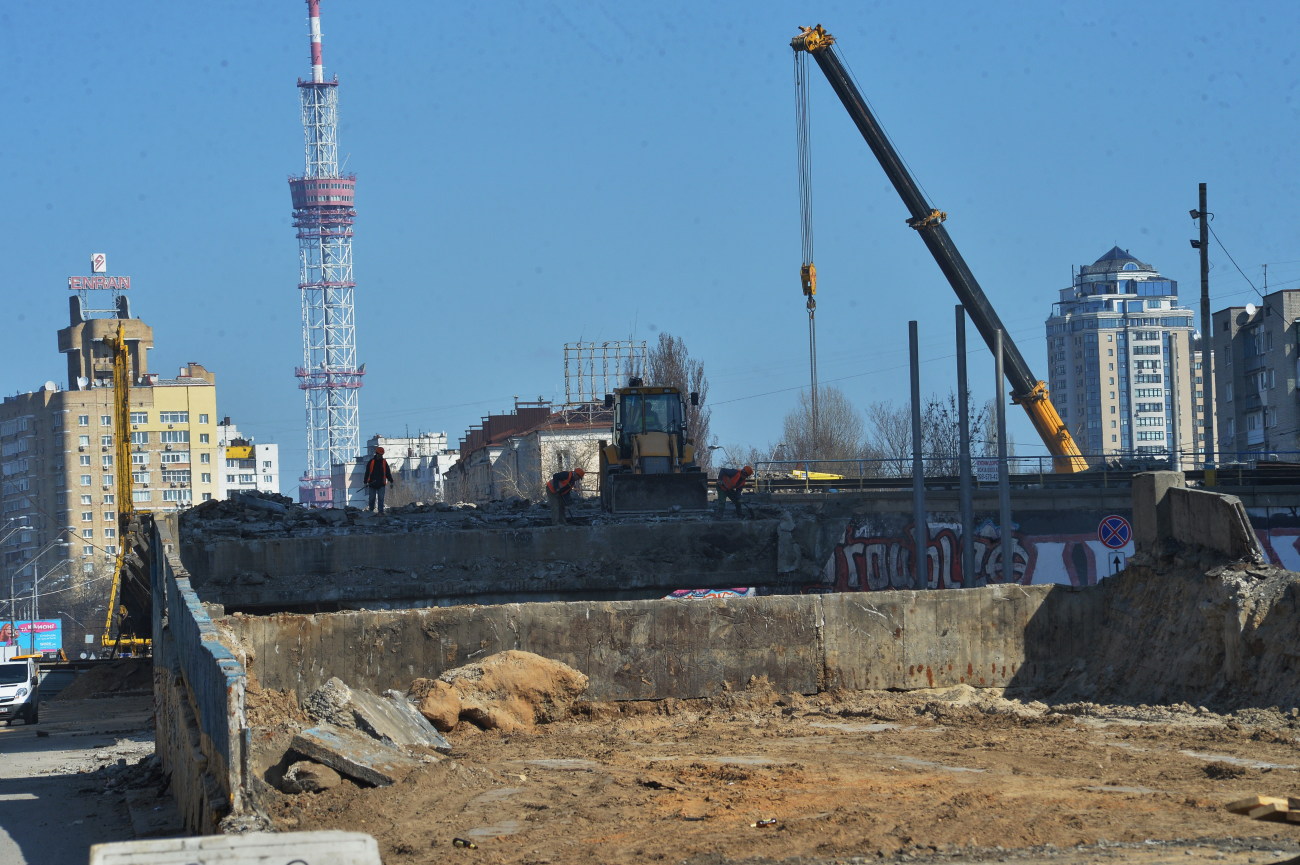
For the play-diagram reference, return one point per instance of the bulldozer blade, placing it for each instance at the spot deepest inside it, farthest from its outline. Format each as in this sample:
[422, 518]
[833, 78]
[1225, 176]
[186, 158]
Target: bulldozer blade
[633, 493]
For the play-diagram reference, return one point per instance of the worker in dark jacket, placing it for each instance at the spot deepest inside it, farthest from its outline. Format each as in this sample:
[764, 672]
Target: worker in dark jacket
[558, 490]
[378, 477]
[730, 483]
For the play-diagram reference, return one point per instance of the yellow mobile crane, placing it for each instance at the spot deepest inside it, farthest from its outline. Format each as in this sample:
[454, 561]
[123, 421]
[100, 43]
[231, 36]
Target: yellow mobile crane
[129, 596]
[1026, 390]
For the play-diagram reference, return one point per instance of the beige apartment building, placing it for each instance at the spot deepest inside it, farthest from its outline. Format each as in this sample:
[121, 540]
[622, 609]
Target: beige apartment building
[1124, 366]
[57, 457]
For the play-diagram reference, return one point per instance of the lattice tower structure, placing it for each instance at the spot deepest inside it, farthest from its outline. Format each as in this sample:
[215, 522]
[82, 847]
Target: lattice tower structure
[323, 214]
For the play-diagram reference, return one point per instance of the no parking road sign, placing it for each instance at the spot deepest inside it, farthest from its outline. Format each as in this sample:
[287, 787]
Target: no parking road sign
[1114, 531]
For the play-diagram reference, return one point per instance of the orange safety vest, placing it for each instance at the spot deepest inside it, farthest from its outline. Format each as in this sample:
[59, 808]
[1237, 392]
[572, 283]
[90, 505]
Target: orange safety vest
[731, 479]
[561, 483]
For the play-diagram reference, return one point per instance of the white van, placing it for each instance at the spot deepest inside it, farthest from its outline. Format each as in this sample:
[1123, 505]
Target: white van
[20, 689]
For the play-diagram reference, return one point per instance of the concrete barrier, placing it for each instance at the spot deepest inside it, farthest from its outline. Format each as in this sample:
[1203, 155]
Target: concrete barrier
[201, 728]
[1166, 510]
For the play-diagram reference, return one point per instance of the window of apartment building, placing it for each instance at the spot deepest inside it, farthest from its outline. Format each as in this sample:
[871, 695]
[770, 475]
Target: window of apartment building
[266, 479]
[139, 495]
[106, 461]
[87, 516]
[248, 479]
[85, 480]
[1112, 424]
[1110, 367]
[205, 458]
[1227, 392]
[140, 438]
[88, 567]
[109, 516]
[266, 464]
[1150, 436]
[1272, 379]
[176, 476]
[140, 477]
[83, 420]
[173, 417]
[203, 438]
[176, 495]
[110, 499]
[174, 436]
[175, 457]
[87, 500]
[106, 480]
[1150, 421]
[1112, 409]
[230, 464]
[87, 533]
[110, 533]
[1147, 378]
[1112, 379]
[1114, 438]
[203, 418]
[106, 420]
[1150, 406]
[84, 460]
[106, 441]
[88, 551]
[83, 441]
[1146, 349]
[230, 479]
[139, 417]
[139, 459]
[110, 549]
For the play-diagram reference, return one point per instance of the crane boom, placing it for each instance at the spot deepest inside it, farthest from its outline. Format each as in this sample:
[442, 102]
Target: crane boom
[1026, 390]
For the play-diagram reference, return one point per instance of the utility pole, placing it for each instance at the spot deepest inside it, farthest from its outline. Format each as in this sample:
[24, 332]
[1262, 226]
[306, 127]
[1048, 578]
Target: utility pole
[1207, 328]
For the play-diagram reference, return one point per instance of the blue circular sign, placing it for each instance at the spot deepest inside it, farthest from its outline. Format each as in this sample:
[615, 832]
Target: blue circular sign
[1115, 532]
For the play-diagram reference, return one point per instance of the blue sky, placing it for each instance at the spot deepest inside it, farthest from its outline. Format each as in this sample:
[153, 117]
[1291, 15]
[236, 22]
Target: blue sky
[531, 174]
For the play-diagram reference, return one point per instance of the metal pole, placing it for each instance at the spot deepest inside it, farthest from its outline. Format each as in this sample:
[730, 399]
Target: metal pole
[921, 567]
[1207, 328]
[1004, 483]
[965, 492]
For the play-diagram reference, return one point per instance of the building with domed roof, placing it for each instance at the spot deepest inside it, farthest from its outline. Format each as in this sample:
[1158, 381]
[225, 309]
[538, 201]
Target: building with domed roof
[1123, 368]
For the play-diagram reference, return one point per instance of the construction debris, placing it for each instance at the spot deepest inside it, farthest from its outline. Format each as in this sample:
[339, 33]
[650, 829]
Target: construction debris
[354, 754]
[1276, 809]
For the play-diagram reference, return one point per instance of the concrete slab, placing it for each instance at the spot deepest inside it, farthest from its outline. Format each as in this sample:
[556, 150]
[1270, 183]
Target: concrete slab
[354, 754]
[325, 847]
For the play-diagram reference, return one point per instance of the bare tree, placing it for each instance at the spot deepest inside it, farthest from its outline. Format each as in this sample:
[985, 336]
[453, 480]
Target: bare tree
[839, 433]
[669, 364]
[890, 435]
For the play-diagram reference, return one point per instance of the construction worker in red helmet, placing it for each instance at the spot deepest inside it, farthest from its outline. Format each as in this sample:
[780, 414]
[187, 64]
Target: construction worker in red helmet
[377, 479]
[730, 483]
[558, 490]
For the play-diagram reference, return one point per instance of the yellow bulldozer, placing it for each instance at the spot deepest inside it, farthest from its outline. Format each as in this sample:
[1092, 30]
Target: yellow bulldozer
[649, 465]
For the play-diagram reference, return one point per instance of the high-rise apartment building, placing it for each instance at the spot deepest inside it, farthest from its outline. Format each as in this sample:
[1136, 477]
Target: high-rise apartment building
[1121, 367]
[1255, 356]
[246, 464]
[59, 466]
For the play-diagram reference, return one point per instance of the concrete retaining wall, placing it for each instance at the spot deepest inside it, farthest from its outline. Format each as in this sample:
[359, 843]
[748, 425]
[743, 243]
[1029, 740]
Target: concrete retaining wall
[200, 733]
[635, 650]
[488, 566]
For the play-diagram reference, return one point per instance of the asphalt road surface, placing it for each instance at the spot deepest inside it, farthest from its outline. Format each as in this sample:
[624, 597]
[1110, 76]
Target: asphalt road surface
[55, 800]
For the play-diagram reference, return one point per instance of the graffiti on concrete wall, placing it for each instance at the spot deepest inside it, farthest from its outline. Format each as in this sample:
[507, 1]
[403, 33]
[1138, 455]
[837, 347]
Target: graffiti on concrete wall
[876, 553]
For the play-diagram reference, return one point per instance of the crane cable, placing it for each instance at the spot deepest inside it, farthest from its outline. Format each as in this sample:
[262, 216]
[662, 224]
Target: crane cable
[808, 271]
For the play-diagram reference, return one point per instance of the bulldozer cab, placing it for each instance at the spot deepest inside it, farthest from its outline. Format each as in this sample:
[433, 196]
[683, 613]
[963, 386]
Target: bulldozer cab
[638, 413]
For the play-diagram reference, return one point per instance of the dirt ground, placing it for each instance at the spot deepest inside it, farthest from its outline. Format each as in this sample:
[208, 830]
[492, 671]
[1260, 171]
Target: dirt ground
[955, 775]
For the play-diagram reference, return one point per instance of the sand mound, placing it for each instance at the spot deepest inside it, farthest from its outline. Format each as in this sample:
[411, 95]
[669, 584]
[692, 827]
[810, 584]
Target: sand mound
[508, 691]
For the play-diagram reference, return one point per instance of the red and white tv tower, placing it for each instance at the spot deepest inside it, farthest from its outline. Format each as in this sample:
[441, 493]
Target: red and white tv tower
[323, 214]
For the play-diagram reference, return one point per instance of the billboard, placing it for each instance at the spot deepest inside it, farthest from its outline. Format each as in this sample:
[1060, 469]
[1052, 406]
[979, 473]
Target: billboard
[31, 638]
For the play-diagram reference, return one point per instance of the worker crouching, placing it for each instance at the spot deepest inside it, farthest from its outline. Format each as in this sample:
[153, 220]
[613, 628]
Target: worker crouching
[730, 483]
[558, 490]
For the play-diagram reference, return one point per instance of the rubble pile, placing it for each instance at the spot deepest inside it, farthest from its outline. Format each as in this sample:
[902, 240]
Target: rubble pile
[253, 514]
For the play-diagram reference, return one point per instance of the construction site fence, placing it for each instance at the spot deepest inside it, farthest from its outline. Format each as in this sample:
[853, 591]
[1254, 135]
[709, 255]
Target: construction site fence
[199, 694]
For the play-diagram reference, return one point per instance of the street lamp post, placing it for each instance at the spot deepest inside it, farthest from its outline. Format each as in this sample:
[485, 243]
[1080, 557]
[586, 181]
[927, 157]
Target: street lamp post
[57, 543]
